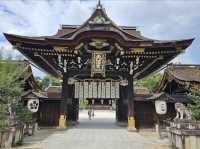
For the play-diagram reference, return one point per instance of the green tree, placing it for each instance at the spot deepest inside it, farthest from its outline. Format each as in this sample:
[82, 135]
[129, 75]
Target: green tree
[194, 95]
[10, 84]
[47, 81]
[151, 82]
[23, 113]
[3, 117]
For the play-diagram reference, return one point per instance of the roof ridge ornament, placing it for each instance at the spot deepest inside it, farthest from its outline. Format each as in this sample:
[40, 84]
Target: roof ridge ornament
[99, 19]
[99, 5]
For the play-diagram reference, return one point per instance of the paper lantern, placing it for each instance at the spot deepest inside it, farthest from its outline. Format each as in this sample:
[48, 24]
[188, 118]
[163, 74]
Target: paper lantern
[33, 105]
[161, 107]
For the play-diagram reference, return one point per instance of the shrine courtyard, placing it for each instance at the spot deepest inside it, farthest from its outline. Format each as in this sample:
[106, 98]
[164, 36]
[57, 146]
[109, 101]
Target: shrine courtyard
[100, 132]
[98, 62]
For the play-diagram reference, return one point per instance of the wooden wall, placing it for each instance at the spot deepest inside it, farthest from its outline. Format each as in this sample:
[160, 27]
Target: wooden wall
[49, 112]
[144, 114]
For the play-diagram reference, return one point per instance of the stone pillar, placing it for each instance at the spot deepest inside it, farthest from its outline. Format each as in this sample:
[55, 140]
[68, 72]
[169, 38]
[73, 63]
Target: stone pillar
[130, 96]
[63, 105]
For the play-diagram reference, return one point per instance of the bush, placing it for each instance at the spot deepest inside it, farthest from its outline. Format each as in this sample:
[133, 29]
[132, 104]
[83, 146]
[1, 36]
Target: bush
[83, 103]
[23, 114]
[194, 95]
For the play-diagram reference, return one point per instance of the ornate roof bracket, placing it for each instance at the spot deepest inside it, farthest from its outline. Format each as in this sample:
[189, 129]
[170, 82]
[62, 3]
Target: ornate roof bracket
[147, 67]
[52, 67]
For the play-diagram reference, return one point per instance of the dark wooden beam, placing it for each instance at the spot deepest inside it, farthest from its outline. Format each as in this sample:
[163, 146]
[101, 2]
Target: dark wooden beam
[50, 65]
[146, 68]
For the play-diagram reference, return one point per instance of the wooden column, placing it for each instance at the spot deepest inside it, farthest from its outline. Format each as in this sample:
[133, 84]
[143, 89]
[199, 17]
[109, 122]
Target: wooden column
[130, 96]
[121, 106]
[63, 106]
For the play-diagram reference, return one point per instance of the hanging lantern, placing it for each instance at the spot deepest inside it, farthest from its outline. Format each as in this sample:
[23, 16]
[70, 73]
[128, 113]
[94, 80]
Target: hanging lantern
[161, 107]
[33, 105]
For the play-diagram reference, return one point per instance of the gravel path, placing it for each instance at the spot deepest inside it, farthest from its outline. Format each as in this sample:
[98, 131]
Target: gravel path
[98, 133]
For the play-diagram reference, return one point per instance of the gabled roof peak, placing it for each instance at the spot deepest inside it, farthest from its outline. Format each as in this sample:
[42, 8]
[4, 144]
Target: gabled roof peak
[99, 5]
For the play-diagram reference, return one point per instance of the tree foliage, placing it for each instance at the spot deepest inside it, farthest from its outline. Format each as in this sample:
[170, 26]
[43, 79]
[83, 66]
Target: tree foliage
[3, 117]
[47, 81]
[23, 114]
[194, 95]
[10, 84]
[10, 87]
[151, 82]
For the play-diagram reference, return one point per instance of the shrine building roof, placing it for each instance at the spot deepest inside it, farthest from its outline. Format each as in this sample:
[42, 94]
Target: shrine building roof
[98, 32]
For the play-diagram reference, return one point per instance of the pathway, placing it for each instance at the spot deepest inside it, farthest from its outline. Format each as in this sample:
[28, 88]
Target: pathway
[99, 133]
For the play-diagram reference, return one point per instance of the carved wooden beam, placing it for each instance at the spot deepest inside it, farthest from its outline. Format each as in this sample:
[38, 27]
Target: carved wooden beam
[147, 67]
[50, 65]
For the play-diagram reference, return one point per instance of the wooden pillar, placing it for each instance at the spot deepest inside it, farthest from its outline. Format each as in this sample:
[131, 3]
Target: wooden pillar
[63, 106]
[130, 96]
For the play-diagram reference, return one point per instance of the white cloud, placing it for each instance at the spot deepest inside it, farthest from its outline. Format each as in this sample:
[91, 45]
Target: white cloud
[155, 19]
[36, 18]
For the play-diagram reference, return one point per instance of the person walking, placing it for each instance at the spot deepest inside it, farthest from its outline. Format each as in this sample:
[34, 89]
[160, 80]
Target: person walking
[90, 114]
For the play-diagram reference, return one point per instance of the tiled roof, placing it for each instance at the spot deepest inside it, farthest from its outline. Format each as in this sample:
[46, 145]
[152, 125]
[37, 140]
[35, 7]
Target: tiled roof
[185, 72]
[183, 98]
[184, 75]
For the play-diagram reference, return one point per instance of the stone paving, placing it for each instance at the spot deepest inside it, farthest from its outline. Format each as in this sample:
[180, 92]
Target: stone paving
[98, 133]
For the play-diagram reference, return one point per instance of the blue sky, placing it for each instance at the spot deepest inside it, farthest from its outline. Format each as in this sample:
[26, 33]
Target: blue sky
[158, 19]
